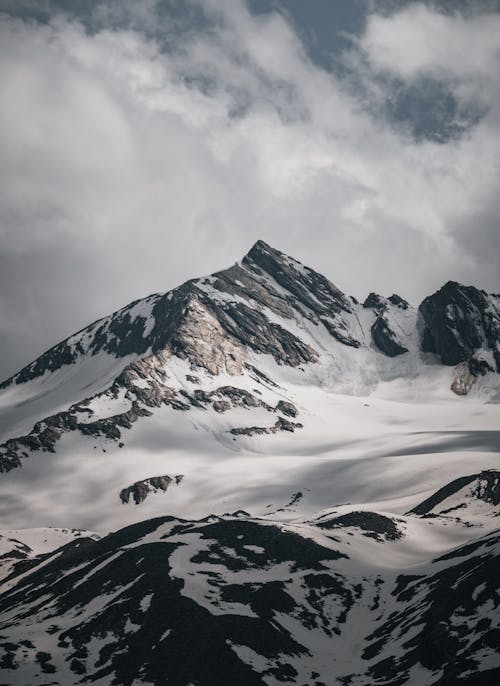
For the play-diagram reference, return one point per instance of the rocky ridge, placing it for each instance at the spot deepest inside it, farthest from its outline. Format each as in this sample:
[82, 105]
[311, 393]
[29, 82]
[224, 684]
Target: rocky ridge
[236, 599]
[140, 490]
[462, 325]
[266, 305]
[458, 494]
[143, 385]
[233, 308]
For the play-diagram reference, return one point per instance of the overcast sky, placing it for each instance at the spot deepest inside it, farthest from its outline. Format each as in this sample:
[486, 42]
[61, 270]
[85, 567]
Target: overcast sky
[145, 143]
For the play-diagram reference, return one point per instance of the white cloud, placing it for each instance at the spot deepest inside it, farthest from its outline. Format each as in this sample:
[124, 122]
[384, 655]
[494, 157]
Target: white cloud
[421, 40]
[127, 169]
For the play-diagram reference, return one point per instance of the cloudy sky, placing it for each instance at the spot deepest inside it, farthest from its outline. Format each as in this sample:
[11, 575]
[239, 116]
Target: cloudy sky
[145, 143]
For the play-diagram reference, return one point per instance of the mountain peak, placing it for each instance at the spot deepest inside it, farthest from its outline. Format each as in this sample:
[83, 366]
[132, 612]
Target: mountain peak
[261, 246]
[260, 251]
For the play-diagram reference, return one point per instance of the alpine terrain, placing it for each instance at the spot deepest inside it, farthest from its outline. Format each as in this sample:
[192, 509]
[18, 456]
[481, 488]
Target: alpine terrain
[255, 479]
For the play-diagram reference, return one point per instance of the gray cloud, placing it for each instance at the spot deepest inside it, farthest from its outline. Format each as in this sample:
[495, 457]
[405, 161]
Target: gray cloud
[134, 158]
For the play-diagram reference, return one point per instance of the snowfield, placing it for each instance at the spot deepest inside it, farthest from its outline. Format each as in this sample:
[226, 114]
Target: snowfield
[385, 449]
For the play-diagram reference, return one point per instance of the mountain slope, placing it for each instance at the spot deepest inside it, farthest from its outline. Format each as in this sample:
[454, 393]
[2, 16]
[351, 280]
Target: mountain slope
[242, 600]
[264, 358]
[303, 489]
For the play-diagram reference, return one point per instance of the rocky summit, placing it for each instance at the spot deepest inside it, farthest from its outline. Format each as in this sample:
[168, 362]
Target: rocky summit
[256, 479]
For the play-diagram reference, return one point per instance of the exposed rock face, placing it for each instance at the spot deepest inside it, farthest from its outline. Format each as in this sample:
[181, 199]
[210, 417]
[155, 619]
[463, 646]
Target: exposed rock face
[122, 333]
[13, 552]
[287, 408]
[208, 331]
[17, 556]
[280, 425]
[140, 490]
[221, 406]
[463, 379]
[400, 302]
[488, 487]
[379, 303]
[145, 384]
[376, 302]
[484, 486]
[156, 608]
[383, 334]
[306, 291]
[372, 524]
[385, 338]
[462, 324]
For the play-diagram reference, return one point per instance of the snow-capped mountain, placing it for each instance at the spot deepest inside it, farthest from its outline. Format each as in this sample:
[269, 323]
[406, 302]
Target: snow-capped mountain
[267, 308]
[321, 473]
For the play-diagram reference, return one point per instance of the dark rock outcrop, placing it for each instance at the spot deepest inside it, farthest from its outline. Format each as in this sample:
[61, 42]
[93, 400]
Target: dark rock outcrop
[140, 490]
[372, 524]
[462, 324]
[376, 302]
[298, 280]
[287, 408]
[221, 406]
[385, 338]
[120, 334]
[485, 486]
[400, 302]
[280, 425]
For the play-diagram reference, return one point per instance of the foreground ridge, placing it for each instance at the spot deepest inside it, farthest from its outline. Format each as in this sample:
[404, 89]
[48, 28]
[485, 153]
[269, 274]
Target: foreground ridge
[235, 599]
